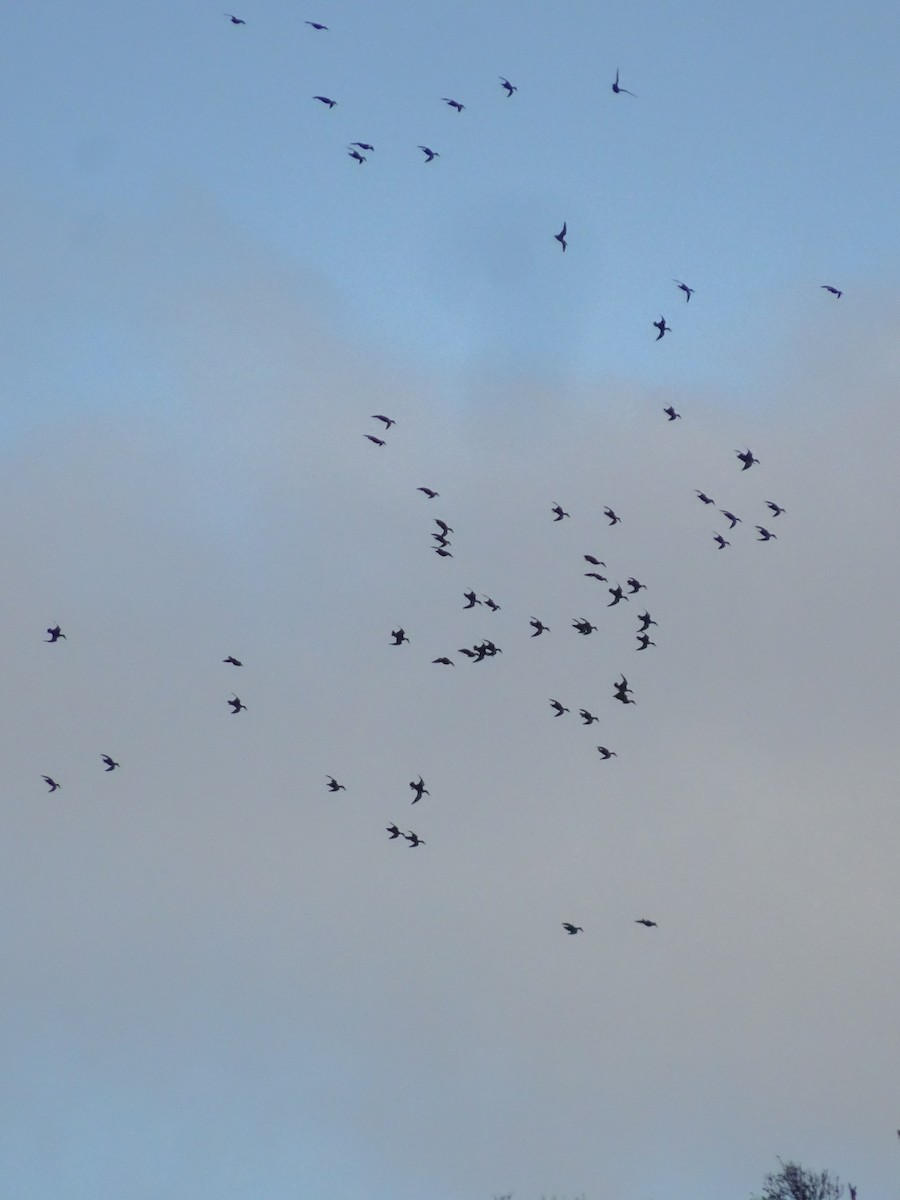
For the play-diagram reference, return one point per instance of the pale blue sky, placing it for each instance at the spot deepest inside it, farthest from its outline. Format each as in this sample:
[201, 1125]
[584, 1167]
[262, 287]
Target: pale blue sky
[222, 983]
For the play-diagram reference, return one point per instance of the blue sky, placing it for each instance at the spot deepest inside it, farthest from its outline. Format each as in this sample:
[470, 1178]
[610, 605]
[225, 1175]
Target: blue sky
[224, 982]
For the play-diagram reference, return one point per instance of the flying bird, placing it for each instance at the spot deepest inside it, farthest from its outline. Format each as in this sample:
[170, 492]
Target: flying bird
[491, 604]
[584, 626]
[235, 662]
[443, 526]
[326, 100]
[671, 413]
[399, 636]
[617, 89]
[560, 709]
[372, 438]
[644, 639]
[764, 534]
[52, 785]
[569, 928]
[420, 789]
[729, 516]
[561, 237]
[646, 621]
[538, 626]
[388, 421]
[720, 541]
[414, 839]
[704, 498]
[507, 86]
[236, 705]
[234, 20]
[635, 585]
[613, 519]
[595, 575]
[560, 512]
[605, 754]
[776, 509]
[111, 764]
[429, 492]
[617, 595]
[444, 661]
[453, 103]
[747, 458]
[623, 691]
[429, 153]
[834, 291]
[362, 145]
[472, 599]
[644, 921]
[394, 831]
[355, 154]
[688, 291]
[55, 634]
[597, 562]
[587, 717]
[333, 785]
[662, 327]
[315, 24]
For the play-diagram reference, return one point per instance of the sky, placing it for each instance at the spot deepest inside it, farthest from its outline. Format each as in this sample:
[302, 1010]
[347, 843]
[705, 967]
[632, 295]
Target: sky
[222, 981]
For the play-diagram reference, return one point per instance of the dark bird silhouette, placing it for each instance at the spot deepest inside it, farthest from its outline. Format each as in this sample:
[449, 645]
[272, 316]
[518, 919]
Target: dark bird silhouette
[388, 421]
[538, 626]
[569, 928]
[315, 24]
[622, 685]
[746, 458]
[703, 496]
[617, 595]
[587, 717]
[236, 705]
[399, 636]
[420, 789]
[429, 153]
[507, 86]
[613, 519]
[560, 512]
[595, 575]
[635, 585]
[617, 89]
[414, 839]
[234, 20]
[111, 764]
[372, 438]
[472, 599]
[235, 662]
[560, 709]
[491, 604]
[442, 552]
[52, 785]
[834, 291]
[394, 831]
[646, 621]
[644, 921]
[662, 327]
[764, 534]
[441, 539]
[729, 516]
[852, 1191]
[776, 509]
[584, 626]
[55, 634]
[444, 661]
[355, 154]
[596, 562]
[720, 541]
[688, 291]
[644, 639]
[453, 103]
[605, 754]
[362, 145]
[561, 237]
[671, 413]
[326, 100]
[467, 652]
[333, 785]
[429, 492]
[487, 649]
[443, 526]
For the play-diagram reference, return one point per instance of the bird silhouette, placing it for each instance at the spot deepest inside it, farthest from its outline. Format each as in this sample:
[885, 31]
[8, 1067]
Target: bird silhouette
[235, 662]
[429, 153]
[613, 519]
[52, 785]
[587, 717]
[234, 20]
[644, 921]
[439, 550]
[326, 100]
[662, 327]
[355, 154]
[399, 636]
[333, 785]
[561, 237]
[764, 534]
[671, 413]
[372, 438]
[560, 512]
[644, 639]
[617, 89]
[605, 754]
[388, 421]
[507, 86]
[538, 626]
[55, 634]
[635, 585]
[720, 541]
[569, 928]
[560, 709]
[776, 509]
[419, 788]
[834, 291]
[595, 575]
[453, 103]
[747, 458]
[394, 831]
[646, 621]
[688, 291]
[429, 492]
[729, 516]
[617, 595]
[597, 562]
[414, 839]
[236, 705]
[362, 145]
[491, 604]
[704, 498]
[315, 24]
[444, 661]
[111, 764]
[583, 626]
[443, 526]
[472, 599]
